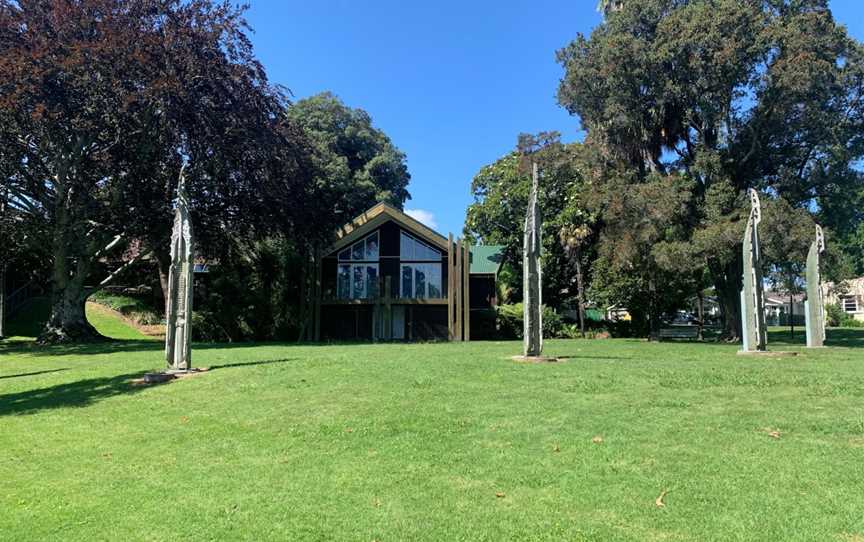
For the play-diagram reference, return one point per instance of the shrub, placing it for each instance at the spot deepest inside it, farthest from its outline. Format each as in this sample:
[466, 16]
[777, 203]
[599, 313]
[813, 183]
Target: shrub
[510, 322]
[206, 328]
[136, 307]
[837, 317]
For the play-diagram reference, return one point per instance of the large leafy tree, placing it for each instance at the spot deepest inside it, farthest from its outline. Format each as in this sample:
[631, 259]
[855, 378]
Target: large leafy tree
[102, 100]
[358, 163]
[501, 194]
[732, 94]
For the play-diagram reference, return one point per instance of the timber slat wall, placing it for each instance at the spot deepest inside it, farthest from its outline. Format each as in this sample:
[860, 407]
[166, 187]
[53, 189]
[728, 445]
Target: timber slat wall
[451, 290]
[466, 294]
[458, 294]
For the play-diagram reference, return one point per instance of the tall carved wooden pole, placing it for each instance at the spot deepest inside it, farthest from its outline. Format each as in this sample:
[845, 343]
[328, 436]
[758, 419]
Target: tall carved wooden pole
[532, 285]
[814, 309]
[752, 301]
[178, 311]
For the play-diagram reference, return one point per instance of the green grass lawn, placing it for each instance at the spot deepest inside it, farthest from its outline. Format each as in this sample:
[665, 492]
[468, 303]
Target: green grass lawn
[434, 442]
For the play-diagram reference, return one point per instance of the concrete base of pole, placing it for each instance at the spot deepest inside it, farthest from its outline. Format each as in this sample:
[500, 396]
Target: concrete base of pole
[536, 359]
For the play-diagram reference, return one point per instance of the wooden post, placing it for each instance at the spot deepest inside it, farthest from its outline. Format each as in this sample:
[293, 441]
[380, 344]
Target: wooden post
[457, 281]
[451, 289]
[466, 290]
[388, 311]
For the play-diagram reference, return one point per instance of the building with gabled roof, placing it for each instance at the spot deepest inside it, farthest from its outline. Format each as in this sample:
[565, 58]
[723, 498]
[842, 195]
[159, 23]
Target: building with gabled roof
[387, 277]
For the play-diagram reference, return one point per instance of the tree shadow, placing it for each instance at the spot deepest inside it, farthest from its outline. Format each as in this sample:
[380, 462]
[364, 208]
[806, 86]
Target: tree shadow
[87, 392]
[71, 394]
[31, 348]
[250, 364]
[34, 373]
[843, 337]
[590, 357]
[849, 338]
[111, 346]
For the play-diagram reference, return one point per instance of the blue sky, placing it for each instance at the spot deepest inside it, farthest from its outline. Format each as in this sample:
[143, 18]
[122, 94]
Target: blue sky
[451, 83]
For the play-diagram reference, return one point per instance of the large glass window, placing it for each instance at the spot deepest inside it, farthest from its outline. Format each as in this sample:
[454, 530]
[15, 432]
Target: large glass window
[371, 281]
[365, 250]
[407, 282]
[850, 303]
[357, 281]
[343, 281]
[415, 250]
[359, 290]
[421, 281]
[357, 275]
[434, 281]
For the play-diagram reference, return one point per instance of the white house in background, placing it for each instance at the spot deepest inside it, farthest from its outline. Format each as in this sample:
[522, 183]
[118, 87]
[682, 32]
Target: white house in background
[849, 295]
[777, 307]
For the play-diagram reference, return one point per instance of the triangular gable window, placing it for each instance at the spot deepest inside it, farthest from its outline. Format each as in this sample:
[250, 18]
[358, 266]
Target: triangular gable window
[411, 249]
[365, 250]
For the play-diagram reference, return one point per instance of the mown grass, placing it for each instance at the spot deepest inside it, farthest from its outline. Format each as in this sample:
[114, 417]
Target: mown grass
[434, 442]
[134, 308]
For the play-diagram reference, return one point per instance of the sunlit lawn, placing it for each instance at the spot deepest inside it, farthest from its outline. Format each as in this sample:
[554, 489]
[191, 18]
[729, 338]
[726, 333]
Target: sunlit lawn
[433, 442]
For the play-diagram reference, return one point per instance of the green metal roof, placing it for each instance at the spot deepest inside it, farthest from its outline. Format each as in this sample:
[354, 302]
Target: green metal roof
[486, 259]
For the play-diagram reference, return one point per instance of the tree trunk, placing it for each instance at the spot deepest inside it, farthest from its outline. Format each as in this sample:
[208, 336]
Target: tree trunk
[701, 312]
[727, 283]
[163, 264]
[303, 311]
[580, 289]
[791, 314]
[653, 317]
[67, 322]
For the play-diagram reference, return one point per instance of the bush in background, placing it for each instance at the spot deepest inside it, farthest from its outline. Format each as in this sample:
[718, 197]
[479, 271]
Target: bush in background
[837, 317]
[137, 307]
[510, 322]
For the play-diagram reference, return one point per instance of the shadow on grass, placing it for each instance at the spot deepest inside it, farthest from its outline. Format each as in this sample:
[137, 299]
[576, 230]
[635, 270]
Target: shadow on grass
[590, 357]
[86, 392]
[250, 363]
[111, 346]
[71, 394]
[843, 337]
[34, 373]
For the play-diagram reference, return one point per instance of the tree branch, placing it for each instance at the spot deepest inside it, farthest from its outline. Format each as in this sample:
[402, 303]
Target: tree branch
[122, 268]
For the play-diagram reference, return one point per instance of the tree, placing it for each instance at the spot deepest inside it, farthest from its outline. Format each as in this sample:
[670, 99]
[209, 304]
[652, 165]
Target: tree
[609, 6]
[359, 164]
[573, 241]
[102, 100]
[500, 200]
[734, 95]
